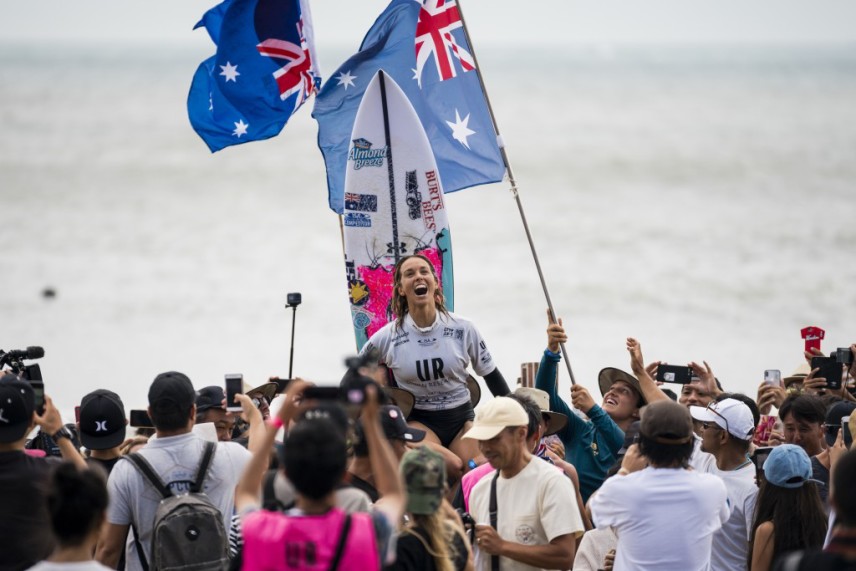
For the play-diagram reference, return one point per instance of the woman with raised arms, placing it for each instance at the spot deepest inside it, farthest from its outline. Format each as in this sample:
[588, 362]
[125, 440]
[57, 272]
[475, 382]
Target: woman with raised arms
[427, 348]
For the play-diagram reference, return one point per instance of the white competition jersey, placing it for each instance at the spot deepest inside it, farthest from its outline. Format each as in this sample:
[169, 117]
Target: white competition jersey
[432, 362]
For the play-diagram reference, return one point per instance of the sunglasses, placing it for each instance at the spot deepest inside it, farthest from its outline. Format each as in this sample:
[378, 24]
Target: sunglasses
[707, 425]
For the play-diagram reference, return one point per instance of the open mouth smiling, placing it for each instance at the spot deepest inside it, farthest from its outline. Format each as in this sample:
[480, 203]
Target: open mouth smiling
[420, 289]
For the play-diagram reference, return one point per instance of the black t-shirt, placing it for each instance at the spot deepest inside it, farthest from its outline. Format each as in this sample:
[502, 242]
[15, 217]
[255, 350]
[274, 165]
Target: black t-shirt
[106, 464]
[25, 528]
[411, 555]
[361, 484]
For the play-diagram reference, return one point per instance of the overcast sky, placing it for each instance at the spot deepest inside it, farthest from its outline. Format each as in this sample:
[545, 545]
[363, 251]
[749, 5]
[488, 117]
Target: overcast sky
[344, 22]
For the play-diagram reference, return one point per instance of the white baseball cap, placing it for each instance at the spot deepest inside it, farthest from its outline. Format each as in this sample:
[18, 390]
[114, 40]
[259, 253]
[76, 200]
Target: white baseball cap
[728, 414]
[496, 415]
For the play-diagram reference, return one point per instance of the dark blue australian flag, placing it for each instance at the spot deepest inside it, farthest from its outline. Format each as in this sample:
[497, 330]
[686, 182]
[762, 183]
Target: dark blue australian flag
[422, 45]
[263, 71]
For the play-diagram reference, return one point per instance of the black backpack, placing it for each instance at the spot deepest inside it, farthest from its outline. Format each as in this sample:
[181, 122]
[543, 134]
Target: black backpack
[188, 530]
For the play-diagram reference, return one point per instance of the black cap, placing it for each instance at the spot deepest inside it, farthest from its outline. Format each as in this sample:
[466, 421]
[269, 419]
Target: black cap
[171, 391]
[102, 420]
[17, 403]
[210, 397]
[395, 427]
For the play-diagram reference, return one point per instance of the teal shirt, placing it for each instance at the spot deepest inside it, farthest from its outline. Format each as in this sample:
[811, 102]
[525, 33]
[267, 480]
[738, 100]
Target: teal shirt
[590, 445]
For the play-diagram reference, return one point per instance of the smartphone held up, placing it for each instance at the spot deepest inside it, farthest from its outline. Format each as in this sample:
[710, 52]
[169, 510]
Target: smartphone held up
[234, 386]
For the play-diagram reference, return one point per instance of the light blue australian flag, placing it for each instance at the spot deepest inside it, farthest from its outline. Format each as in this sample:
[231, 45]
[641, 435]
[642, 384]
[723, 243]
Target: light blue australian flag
[263, 71]
[422, 46]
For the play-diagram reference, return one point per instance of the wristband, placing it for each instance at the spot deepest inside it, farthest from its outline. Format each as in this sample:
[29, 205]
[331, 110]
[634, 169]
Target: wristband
[276, 422]
[551, 354]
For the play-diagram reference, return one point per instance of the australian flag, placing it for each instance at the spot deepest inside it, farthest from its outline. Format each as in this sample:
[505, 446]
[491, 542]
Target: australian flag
[421, 44]
[263, 71]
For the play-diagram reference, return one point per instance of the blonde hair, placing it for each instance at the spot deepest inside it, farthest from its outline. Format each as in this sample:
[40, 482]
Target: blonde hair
[440, 533]
[399, 302]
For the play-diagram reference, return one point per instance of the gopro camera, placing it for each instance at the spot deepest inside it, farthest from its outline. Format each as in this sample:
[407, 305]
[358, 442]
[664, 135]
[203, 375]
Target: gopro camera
[293, 299]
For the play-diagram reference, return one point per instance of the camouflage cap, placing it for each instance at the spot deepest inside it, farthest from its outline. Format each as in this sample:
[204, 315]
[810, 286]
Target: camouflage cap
[424, 475]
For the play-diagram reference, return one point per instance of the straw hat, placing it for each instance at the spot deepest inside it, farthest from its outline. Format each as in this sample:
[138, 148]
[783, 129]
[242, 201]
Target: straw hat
[556, 421]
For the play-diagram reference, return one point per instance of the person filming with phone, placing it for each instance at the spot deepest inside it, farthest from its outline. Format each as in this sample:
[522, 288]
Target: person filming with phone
[317, 534]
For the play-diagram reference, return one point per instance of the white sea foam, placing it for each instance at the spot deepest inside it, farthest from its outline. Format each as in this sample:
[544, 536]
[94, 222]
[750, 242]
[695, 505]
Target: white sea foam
[701, 200]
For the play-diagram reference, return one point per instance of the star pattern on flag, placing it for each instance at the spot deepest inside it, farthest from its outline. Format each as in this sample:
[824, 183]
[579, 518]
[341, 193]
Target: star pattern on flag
[240, 128]
[230, 72]
[460, 129]
[417, 76]
[346, 79]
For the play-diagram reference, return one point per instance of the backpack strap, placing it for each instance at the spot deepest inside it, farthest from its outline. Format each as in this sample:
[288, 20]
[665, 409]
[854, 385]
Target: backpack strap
[343, 538]
[494, 510]
[149, 473]
[202, 472]
[142, 556]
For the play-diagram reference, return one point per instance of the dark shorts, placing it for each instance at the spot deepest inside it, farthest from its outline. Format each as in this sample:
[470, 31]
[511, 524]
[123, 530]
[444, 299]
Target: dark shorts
[446, 424]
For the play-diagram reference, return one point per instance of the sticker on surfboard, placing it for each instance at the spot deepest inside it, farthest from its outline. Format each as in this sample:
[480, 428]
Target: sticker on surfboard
[393, 205]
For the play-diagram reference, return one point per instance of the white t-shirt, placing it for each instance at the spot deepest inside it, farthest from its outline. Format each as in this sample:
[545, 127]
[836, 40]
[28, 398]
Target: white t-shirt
[731, 543]
[664, 518]
[432, 362]
[533, 508]
[175, 459]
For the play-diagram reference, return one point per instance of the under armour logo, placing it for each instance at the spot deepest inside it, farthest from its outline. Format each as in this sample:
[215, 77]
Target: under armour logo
[100, 425]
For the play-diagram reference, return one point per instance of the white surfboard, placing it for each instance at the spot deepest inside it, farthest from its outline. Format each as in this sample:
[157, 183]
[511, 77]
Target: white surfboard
[393, 204]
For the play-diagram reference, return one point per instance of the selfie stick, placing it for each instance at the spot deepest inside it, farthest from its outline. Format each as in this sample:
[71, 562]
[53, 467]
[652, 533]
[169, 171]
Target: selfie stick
[294, 300]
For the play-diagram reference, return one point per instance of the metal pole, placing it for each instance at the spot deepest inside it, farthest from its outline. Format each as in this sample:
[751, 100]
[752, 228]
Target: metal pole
[291, 353]
[513, 189]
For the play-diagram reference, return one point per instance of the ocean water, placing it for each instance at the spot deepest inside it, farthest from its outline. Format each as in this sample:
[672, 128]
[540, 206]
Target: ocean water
[699, 198]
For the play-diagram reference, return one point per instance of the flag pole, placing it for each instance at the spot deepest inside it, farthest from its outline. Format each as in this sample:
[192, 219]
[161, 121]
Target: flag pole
[514, 191]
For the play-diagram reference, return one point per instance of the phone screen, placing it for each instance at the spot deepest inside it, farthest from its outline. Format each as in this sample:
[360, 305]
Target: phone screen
[39, 391]
[234, 386]
[321, 393]
[758, 458]
[845, 427]
[674, 374]
[140, 419]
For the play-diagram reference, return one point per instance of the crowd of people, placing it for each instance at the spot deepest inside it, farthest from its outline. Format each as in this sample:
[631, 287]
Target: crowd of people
[399, 470]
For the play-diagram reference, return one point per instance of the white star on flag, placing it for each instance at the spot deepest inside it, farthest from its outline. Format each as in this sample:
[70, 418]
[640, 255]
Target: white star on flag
[346, 79]
[417, 77]
[460, 130]
[230, 71]
[240, 128]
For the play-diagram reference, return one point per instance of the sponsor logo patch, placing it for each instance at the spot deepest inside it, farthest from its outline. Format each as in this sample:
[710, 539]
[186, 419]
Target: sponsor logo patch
[357, 220]
[414, 197]
[361, 202]
[363, 155]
